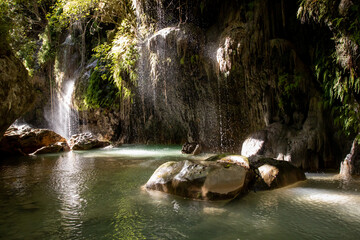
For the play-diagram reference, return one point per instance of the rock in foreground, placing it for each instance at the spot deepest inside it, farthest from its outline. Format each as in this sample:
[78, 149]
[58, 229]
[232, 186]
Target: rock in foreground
[222, 177]
[25, 140]
[200, 180]
[273, 173]
[86, 141]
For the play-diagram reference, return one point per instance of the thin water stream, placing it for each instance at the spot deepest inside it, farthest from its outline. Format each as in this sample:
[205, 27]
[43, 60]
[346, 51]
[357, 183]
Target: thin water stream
[98, 195]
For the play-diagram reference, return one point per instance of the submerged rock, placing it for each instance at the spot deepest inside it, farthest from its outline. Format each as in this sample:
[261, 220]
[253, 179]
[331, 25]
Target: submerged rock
[200, 180]
[26, 140]
[86, 141]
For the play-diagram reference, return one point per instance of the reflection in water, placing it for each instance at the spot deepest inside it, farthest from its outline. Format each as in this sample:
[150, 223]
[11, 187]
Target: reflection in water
[98, 195]
[68, 181]
[128, 221]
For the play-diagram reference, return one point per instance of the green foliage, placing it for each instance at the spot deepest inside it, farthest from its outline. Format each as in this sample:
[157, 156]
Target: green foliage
[339, 78]
[120, 57]
[21, 23]
[51, 36]
[339, 88]
[101, 92]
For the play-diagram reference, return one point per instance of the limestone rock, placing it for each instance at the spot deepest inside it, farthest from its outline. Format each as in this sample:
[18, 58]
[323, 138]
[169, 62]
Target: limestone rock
[351, 164]
[26, 140]
[86, 141]
[200, 180]
[222, 177]
[16, 92]
[306, 146]
[273, 173]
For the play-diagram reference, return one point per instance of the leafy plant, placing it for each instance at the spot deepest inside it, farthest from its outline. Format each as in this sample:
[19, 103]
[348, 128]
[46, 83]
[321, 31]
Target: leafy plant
[334, 66]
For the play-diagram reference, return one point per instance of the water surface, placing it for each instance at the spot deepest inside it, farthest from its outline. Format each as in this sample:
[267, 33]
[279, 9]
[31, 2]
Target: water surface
[98, 195]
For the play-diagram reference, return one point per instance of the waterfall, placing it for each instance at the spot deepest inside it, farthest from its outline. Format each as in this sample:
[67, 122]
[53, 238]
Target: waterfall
[64, 119]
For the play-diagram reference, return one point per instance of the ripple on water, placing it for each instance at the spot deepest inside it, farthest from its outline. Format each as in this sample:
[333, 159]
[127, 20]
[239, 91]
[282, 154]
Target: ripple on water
[97, 195]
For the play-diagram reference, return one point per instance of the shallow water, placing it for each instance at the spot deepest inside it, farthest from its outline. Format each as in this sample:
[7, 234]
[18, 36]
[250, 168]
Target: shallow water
[98, 195]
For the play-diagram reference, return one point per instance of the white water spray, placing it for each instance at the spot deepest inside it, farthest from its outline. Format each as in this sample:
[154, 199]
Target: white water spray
[64, 119]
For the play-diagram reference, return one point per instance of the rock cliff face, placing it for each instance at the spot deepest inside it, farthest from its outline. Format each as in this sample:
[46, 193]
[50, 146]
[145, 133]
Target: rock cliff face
[215, 72]
[217, 77]
[16, 92]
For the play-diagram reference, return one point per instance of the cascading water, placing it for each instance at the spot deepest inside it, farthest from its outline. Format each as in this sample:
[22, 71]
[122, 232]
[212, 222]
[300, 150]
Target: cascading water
[64, 117]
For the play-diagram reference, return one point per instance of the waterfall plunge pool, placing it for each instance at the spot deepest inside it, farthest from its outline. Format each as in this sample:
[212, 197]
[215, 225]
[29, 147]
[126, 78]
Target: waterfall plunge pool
[97, 195]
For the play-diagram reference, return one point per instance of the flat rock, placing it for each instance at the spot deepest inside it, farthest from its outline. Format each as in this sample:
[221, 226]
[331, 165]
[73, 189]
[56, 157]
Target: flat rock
[53, 148]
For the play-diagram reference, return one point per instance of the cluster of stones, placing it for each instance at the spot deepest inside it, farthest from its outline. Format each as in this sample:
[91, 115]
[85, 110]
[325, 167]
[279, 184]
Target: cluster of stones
[222, 177]
[25, 140]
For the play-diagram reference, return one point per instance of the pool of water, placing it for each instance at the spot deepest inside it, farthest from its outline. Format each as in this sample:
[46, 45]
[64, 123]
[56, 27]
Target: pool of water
[98, 195]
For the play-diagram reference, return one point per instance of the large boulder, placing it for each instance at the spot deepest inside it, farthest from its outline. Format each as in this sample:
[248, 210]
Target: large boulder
[200, 180]
[306, 146]
[222, 177]
[16, 92]
[86, 141]
[26, 140]
[272, 173]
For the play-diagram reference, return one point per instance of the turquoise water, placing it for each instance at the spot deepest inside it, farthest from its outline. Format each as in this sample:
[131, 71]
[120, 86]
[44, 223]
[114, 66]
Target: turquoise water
[98, 195]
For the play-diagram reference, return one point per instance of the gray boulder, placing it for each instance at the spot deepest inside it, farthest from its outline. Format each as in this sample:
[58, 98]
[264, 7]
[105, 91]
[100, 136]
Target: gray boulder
[304, 145]
[86, 141]
[200, 180]
[272, 173]
[222, 177]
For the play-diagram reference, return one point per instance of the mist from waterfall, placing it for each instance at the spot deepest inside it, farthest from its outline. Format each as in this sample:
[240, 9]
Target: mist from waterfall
[61, 116]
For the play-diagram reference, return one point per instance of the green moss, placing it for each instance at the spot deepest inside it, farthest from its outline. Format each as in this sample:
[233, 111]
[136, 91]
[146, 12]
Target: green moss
[182, 60]
[101, 91]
